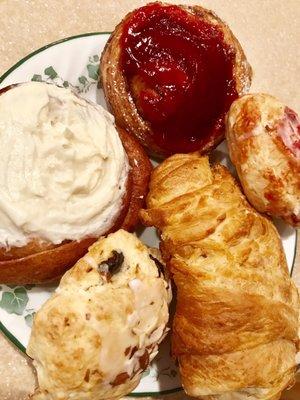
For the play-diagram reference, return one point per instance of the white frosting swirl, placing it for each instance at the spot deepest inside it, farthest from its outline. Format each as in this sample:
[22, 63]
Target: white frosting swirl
[63, 168]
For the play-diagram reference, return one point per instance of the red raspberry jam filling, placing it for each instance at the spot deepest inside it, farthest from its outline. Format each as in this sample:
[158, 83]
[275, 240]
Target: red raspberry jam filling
[289, 130]
[180, 74]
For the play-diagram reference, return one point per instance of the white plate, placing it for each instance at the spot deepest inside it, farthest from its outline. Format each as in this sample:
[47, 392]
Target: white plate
[75, 61]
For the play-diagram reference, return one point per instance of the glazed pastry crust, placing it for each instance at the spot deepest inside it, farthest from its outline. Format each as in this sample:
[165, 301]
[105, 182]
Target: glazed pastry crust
[41, 261]
[140, 171]
[118, 95]
[98, 332]
[235, 332]
[263, 138]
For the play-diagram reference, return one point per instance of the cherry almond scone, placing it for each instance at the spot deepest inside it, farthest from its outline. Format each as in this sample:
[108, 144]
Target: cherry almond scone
[67, 176]
[97, 334]
[170, 74]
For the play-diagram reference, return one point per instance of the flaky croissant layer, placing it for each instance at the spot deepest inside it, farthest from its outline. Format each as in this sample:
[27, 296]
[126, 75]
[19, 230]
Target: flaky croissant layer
[235, 331]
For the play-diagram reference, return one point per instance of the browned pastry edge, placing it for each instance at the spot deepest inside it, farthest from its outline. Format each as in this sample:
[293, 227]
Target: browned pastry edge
[141, 169]
[276, 187]
[235, 330]
[117, 92]
[39, 262]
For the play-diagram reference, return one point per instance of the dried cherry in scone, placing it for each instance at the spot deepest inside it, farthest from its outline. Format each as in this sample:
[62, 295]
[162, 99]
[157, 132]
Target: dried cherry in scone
[113, 264]
[176, 71]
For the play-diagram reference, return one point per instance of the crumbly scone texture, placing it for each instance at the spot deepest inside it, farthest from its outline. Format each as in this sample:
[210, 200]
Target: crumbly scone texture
[263, 137]
[97, 334]
[118, 94]
[235, 332]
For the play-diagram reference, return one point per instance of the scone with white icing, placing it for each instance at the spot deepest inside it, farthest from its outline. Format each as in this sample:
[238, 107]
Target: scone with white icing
[97, 334]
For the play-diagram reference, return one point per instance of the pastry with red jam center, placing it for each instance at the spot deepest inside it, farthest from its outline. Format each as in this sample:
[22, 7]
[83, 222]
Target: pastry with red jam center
[170, 74]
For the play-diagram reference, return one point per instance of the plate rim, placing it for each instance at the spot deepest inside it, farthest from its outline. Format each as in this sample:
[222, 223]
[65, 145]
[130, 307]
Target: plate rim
[45, 47]
[3, 328]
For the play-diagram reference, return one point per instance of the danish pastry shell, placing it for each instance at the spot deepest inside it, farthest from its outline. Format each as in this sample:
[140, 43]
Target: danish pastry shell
[263, 138]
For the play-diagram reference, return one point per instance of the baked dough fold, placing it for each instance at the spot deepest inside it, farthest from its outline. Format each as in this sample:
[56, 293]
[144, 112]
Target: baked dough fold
[235, 332]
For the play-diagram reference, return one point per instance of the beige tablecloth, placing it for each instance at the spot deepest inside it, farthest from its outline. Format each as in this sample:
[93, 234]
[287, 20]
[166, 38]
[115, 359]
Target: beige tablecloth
[269, 31]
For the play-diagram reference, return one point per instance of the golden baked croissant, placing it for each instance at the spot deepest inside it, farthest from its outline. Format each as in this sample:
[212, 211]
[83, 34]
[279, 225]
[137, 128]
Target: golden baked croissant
[235, 332]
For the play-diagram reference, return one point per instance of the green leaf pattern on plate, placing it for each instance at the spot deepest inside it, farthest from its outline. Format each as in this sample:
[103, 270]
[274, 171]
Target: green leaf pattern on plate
[14, 302]
[37, 78]
[93, 71]
[29, 319]
[50, 72]
[85, 82]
